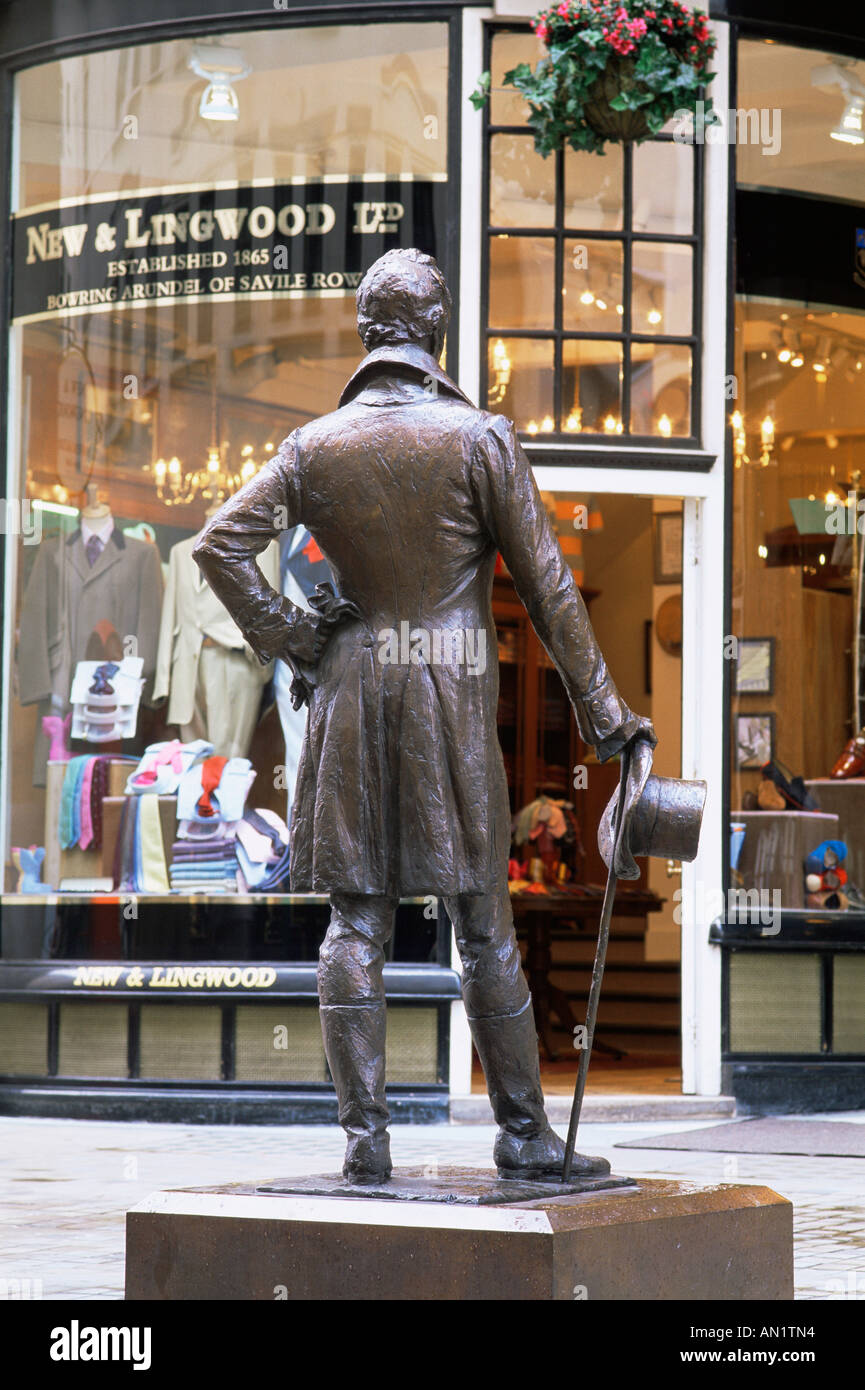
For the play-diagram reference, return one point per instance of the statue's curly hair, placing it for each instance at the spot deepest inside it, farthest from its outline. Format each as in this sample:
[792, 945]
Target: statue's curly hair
[402, 298]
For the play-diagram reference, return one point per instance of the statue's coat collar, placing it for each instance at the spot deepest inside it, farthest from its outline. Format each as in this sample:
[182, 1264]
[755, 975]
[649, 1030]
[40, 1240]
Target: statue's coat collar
[400, 359]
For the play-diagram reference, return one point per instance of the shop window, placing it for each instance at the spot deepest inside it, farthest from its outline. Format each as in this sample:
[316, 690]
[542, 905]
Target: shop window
[800, 112]
[796, 602]
[592, 278]
[183, 298]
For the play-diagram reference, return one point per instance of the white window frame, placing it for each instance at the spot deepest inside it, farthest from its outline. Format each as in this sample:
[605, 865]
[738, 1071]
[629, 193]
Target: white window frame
[703, 573]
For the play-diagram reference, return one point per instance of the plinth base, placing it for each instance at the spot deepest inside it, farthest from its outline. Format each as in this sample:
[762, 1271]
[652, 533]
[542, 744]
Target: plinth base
[466, 1187]
[656, 1240]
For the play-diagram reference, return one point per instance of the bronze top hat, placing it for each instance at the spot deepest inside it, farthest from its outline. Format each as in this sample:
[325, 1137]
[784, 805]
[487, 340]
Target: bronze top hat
[661, 817]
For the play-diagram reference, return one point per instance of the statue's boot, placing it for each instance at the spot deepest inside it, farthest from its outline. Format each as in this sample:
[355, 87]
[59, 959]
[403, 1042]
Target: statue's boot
[354, 1041]
[526, 1147]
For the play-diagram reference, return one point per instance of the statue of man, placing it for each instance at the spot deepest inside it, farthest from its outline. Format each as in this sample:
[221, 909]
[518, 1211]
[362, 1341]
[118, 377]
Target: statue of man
[409, 492]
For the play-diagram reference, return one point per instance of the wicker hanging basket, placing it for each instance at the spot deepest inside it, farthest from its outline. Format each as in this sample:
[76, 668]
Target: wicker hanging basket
[614, 125]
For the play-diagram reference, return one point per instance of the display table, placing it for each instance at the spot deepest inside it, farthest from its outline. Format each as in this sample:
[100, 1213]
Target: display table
[846, 800]
[776, 843]
[535, 914]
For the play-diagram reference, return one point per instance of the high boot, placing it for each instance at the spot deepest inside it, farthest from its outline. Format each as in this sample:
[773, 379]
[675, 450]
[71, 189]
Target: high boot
[526, 1147]
[354, 1041]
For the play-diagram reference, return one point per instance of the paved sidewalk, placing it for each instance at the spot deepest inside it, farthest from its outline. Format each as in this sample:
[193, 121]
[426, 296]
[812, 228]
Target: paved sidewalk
[65, 1186]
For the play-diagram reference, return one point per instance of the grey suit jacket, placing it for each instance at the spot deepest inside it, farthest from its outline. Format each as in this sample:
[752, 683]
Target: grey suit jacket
[65, 599]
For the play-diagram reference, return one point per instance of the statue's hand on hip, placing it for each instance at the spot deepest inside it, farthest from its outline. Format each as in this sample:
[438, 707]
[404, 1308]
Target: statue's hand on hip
[310, 635]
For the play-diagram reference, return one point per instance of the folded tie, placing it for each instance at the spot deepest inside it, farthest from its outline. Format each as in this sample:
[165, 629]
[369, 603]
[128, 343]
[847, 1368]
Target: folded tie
[101, 678]
[211, 775]
[172, 754]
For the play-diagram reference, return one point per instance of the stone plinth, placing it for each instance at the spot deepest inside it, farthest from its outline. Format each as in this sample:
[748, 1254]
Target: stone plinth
[654, 1240]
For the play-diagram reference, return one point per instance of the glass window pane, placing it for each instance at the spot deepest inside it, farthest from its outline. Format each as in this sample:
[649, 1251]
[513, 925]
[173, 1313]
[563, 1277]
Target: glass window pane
[522, 184]
[521, 382]
[591, 387]
[804, 84]
[593, 189]
[199, 306]
[663, 194]
[592, 288]
[661, 293]
[661, 389]
[798, 443]
[361, 99]
[521, 281]
[507, 106]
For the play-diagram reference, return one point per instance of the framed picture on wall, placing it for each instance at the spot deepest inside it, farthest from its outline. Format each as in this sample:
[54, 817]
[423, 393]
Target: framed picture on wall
[668, 547]
[755, 666]
[755, 740]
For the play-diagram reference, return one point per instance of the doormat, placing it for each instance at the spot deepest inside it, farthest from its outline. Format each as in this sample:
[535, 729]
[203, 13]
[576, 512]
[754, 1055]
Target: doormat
[813, 1138]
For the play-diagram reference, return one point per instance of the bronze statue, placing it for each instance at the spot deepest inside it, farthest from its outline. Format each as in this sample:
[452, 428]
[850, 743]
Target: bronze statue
[410, 491]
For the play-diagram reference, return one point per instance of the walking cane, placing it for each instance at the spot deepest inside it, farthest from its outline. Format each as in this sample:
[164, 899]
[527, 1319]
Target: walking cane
[597, 973]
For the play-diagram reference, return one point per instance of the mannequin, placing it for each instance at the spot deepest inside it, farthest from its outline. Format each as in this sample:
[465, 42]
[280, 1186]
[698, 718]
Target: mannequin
[92, 579]
[96, 522]
[210, 675]
[303, 566]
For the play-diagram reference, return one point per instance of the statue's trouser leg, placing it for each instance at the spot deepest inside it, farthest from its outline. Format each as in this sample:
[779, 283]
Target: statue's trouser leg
[499, 1009]
[353, 1025]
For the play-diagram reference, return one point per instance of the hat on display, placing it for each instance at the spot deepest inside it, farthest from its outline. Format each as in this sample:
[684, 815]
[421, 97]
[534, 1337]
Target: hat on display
[661, 817]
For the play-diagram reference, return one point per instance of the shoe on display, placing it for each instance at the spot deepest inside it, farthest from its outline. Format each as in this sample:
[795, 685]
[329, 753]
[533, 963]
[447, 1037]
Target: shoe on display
[769, 798]
[851, 763]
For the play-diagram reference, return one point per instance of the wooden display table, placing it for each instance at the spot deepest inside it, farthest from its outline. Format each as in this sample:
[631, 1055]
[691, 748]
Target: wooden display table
[535, 913]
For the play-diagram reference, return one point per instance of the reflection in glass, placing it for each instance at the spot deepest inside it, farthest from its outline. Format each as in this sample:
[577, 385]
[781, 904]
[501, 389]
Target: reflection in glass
[592, 286]
[527, 394]
[593, 189]
[813, 90]
[591, 387]
[663, 192]
[350, 99]
[522, 184]
[661, 389]
[521, 282]
[661, 292]
[507, 107]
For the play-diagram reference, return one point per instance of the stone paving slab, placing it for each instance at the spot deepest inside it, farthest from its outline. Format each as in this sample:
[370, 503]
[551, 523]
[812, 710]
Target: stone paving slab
[65, 1187]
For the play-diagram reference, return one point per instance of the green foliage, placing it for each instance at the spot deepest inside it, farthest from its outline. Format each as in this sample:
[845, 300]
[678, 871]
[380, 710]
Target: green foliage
[652, 54]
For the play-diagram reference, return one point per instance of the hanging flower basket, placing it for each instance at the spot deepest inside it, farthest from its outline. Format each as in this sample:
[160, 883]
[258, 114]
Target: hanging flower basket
[613, 72]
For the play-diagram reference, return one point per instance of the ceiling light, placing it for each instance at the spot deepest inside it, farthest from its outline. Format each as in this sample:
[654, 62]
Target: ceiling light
[849, 128]
[219, 67]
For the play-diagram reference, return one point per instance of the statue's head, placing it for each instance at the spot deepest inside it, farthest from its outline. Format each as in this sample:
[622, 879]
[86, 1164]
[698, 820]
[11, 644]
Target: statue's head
[403, 298]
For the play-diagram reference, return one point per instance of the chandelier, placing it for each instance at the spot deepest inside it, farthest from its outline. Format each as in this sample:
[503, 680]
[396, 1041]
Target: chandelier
[216, 480]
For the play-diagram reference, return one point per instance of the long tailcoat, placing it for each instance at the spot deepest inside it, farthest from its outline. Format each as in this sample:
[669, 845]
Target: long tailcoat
[409, 491]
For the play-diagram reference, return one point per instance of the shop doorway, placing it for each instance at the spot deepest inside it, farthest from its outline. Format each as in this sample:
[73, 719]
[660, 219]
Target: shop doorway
[626, 556]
